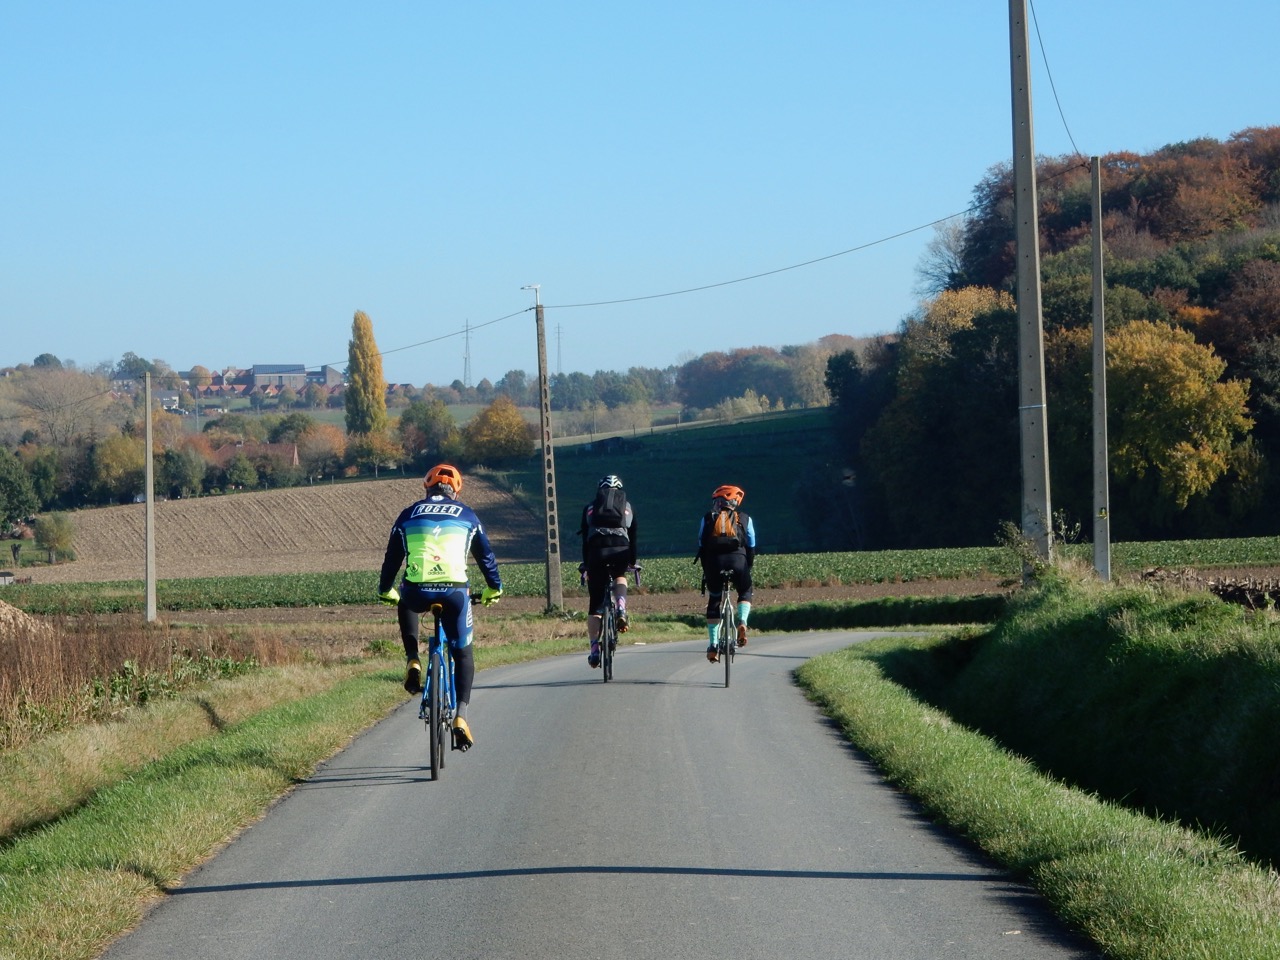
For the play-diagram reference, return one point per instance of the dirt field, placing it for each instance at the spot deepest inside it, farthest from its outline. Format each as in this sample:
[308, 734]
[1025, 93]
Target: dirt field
[310, 529]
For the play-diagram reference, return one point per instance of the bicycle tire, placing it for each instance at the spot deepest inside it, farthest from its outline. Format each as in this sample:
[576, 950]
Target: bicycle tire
[436, 720]
[728, 633]
[608, 639]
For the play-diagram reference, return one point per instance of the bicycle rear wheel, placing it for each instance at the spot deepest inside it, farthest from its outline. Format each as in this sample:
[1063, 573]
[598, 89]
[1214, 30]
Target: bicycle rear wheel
[728, 635]
[436, 721]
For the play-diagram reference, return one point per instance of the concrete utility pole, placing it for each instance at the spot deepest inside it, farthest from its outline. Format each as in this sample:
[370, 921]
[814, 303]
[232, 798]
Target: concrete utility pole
[1032, 417]
[1101, 469]
[555, 589]
[150, 515]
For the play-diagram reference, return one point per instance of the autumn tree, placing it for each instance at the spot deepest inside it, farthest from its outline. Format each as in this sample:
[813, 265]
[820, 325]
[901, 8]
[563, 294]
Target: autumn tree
[322, 448]
[942, 457]
[54, 533]
[199, 376]
[498, 433]
[289, 429]
[373, 452]
[67, 405]
[315, 396]
[241, 473]
[17, 495]
[181, 472]
[426, 429]
[1181, 420]
[118, 465]
[366, 394]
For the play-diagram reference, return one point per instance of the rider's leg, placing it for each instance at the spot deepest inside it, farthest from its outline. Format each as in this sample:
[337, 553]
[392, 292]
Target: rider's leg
[713, 625]
[409, 625]
[597, 583]
[620, 592]
[745, 586]
[458, 632]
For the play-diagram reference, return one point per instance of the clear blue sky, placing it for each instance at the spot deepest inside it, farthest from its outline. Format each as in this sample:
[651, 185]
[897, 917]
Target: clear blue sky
[227, 183]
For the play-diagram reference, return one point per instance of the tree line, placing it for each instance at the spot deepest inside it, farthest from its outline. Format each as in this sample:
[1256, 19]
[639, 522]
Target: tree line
[71, 439]
[928, 419]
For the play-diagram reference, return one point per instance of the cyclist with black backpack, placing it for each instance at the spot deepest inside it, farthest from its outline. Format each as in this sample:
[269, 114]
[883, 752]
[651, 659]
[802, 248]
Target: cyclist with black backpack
[726, 541]
[608, 549]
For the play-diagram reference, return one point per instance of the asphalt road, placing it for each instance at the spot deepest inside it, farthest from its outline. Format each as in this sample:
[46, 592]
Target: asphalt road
[660, 816]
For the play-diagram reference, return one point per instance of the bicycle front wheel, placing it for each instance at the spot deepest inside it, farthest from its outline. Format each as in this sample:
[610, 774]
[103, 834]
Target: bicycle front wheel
[608, 641]
[437, 721]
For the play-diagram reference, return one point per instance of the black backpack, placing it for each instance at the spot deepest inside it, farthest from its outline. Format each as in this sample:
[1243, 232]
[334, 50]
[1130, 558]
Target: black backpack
[609, 512]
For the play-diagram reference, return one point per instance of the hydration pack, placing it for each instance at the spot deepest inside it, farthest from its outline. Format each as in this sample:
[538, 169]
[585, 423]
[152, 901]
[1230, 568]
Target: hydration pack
[609, 513]
[723, 530]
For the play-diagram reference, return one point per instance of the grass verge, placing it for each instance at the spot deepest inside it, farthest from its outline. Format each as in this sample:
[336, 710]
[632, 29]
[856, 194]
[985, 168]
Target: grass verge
[1140, 888]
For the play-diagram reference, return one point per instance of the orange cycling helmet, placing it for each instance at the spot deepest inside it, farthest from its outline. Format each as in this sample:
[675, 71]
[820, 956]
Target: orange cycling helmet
[729, 492]
[446, 474]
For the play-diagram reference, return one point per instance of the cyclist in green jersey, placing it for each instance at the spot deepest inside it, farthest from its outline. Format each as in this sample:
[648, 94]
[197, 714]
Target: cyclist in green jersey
[432, 538]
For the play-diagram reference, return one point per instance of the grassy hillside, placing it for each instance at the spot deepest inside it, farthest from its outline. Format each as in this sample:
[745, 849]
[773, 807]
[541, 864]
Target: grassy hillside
[779, 459]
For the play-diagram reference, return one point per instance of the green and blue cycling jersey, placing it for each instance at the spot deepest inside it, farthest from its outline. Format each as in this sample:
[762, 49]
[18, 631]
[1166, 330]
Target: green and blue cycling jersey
[433, 539]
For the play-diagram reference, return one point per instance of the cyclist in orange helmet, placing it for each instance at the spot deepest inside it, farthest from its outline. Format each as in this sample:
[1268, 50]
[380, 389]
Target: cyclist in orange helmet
[432, 539]
[726, 541]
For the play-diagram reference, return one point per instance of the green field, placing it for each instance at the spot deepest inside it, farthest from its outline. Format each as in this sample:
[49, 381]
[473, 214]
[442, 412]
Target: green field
[669, 475]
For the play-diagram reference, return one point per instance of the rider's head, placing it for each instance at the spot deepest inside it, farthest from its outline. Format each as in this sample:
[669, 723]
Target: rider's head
[729, 494]
[444, 479]
[610, 481]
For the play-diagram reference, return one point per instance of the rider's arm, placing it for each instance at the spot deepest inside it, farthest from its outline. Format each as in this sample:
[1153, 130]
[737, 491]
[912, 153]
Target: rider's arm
[631, 542]
[392, 559]
[485, 559]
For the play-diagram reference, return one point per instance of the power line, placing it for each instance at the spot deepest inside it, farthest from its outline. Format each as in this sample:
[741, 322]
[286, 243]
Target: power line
[767, 273]
[1052, 86]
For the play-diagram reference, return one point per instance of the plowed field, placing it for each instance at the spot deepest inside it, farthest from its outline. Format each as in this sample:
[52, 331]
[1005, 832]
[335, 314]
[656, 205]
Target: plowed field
[310, 529]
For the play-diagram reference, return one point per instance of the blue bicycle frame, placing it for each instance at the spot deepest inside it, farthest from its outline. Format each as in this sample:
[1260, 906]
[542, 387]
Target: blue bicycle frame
[439, 694]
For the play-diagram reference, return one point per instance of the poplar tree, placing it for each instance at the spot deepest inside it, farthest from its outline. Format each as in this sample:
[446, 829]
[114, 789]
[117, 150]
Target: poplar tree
[366, 394]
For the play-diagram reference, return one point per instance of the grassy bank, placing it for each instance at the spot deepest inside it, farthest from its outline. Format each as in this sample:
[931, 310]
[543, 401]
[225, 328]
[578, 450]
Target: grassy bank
[1169, 701]
[1140, 888]
[1091, 717]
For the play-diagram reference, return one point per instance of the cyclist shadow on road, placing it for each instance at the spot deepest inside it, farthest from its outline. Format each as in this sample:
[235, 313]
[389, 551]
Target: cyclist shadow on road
[342, 777]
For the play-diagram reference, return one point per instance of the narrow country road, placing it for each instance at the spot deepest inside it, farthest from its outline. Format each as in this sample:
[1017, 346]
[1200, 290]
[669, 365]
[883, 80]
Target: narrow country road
[657, 817]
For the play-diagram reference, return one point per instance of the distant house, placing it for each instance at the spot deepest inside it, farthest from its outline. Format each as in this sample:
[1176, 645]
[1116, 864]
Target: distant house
[279, 375]
[326, 376]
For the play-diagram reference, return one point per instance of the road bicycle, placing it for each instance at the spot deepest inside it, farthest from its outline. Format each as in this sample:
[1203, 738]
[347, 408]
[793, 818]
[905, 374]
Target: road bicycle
[439, 693]
[609, 623]
[728, 643]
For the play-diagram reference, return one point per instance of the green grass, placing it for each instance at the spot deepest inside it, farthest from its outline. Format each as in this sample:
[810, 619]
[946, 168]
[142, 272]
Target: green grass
[1164, 700]
[669, 476]
[661, 573]
[1140, 888]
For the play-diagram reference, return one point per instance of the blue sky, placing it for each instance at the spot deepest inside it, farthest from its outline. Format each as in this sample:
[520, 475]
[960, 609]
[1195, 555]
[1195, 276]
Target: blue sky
[227, 183]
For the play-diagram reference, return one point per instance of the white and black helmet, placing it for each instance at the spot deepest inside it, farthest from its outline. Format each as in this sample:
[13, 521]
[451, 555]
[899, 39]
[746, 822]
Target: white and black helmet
[610, 481]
